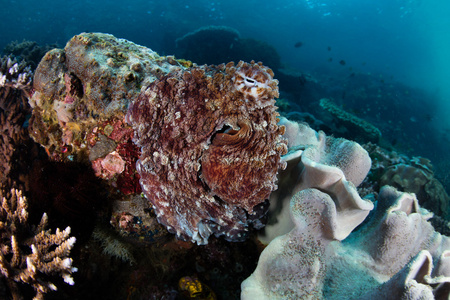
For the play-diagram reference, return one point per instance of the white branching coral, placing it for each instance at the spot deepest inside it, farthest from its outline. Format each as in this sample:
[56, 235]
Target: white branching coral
[31, 255]
[15, 74]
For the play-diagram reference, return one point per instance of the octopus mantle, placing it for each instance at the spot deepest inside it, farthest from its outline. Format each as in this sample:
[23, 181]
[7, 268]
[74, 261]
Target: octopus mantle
[210, 148]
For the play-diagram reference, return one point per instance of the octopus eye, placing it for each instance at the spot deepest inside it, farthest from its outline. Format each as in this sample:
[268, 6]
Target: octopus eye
[250, 82]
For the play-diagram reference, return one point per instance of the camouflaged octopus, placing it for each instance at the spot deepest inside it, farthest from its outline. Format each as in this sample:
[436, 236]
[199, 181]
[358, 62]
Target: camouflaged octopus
[210, 148]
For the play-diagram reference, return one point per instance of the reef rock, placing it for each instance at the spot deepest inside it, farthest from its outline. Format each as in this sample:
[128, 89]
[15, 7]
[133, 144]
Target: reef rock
[82, 92]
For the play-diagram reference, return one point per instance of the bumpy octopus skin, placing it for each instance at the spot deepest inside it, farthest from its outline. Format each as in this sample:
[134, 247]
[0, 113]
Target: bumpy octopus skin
[210, 148]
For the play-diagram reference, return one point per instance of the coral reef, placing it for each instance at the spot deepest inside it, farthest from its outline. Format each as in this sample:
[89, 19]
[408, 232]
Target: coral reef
[334, 165]
[411, 175]
[13, 135]
[359, 128]
[32, 255]
[396, 254]
[15, 74]
[17, 149]
[393, 254]
[30, 51]
[417, 176]
[217, 168]
[201, 47]
[201, 149]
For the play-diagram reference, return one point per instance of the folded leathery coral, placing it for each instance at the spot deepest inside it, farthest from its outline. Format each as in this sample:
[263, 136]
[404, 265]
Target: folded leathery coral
[381, 260]
[416, 176]
[207, 138]
[333, 165]
[417, 280]
[210, 148]
[292, 266]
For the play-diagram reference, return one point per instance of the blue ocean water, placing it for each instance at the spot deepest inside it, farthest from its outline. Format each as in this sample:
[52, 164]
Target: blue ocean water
[405, 40]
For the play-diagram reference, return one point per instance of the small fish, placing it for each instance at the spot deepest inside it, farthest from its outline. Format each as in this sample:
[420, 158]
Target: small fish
[342, 62]
[329, 48]
[298, 44]
[330, 59]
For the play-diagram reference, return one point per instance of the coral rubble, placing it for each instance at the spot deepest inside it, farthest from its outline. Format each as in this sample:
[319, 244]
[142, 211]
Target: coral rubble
[30, 255]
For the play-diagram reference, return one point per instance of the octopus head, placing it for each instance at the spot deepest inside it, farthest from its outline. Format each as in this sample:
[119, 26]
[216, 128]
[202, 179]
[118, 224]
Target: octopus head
[256, 83]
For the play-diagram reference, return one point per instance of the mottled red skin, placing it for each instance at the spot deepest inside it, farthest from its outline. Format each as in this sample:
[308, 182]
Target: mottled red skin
[128, 181]
[199, 179]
